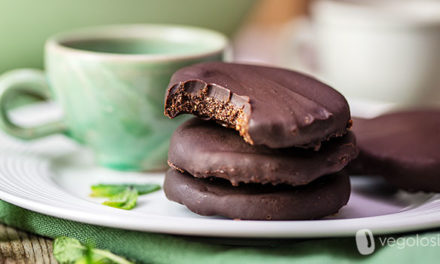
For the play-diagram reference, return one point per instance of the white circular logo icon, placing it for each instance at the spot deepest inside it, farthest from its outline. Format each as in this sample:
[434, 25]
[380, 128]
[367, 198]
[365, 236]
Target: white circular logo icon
[365, 241]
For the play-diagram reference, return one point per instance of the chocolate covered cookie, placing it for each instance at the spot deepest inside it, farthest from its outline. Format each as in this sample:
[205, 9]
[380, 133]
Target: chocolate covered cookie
[403, 147]
[268, 106]
[258, 202]
[205, 149]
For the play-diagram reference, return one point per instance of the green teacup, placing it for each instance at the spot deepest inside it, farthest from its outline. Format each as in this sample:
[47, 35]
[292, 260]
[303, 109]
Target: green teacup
[110, 82]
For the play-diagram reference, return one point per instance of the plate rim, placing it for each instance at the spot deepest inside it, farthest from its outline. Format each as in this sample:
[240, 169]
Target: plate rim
[241, 228]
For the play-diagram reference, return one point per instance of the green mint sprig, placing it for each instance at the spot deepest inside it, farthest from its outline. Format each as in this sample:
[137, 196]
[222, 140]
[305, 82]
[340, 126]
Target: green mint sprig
[68, 250]
[123, 196]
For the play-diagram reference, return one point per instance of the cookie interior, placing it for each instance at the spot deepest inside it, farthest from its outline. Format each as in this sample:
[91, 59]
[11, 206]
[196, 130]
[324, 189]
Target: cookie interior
[210, 102]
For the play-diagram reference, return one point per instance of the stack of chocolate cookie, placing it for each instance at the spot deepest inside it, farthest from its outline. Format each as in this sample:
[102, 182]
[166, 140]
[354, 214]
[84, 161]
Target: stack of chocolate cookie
[268, 144]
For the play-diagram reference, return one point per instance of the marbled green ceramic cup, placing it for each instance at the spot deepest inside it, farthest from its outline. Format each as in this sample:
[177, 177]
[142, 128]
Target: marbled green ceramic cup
[110, 82]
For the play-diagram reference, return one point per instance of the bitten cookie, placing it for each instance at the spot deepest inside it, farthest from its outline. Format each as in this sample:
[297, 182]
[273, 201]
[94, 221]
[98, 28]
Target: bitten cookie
[269, 106]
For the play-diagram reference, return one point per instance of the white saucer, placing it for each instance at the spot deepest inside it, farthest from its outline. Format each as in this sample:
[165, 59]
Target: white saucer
[53, 176]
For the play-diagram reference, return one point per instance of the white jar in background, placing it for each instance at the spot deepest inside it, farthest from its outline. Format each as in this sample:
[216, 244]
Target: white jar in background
[382, 51]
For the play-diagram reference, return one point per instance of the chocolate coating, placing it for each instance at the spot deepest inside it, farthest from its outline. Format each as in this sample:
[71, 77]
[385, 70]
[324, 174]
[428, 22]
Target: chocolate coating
[205, 149]
[258, 202]
[269, 106]
[403, 147]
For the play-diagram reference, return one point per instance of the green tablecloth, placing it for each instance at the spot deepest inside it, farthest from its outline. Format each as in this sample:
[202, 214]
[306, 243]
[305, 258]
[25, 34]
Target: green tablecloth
[159, 248]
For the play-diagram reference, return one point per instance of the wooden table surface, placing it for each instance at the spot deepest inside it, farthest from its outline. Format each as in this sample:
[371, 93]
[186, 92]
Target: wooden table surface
[20, 247]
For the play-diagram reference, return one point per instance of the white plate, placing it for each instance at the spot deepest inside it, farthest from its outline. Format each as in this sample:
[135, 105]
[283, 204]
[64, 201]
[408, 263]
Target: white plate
[53, 176]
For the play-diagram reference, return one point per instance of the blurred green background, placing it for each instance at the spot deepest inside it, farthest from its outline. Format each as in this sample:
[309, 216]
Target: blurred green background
[26, 24]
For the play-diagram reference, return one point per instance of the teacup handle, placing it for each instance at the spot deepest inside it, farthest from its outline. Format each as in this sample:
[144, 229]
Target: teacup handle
[31, 83]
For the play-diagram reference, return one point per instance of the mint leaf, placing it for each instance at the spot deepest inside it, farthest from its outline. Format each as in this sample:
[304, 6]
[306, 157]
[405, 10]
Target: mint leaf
[68, 250]
[109, 190]
[124, 200]
[88, 254]
[123, 195]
